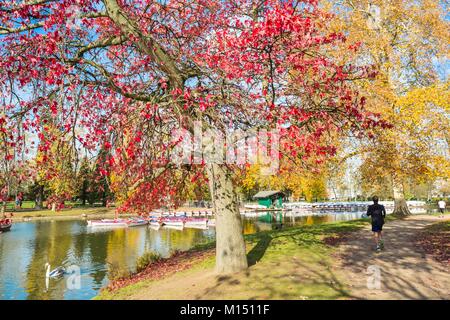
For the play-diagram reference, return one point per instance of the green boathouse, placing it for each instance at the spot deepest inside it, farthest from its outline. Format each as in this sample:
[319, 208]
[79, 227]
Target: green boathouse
[270, 198]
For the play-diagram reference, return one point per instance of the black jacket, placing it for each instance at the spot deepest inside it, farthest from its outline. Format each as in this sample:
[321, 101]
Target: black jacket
[378, 213]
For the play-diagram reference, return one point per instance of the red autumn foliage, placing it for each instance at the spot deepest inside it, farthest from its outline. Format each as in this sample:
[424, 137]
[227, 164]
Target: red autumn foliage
[120, 75]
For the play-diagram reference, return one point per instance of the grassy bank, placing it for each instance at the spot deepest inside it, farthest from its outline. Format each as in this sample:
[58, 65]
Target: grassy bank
[72, 213]
[25, 214]
[293, 263]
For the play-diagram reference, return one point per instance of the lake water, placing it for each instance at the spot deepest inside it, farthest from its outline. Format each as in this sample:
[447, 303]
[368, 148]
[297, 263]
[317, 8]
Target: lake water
[26, 249]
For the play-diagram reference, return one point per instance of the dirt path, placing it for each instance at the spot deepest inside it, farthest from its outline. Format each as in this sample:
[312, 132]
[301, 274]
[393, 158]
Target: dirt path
[405, 271]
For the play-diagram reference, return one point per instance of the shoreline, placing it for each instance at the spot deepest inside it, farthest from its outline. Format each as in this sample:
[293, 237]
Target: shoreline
[77, 213]
[305, 262]
[68, 217]
[199, 261]
[67, 214]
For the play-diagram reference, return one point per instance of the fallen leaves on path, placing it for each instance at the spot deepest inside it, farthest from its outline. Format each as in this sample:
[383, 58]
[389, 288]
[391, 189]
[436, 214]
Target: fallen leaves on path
[179, 261]
[435, 241]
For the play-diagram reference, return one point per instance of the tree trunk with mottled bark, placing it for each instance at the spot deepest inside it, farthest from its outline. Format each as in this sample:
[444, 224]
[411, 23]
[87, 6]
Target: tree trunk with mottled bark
[400, 206]
[39, 198]
[230, 246]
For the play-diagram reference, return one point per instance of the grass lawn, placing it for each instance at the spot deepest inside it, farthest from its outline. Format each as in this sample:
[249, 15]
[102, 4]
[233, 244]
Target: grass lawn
[293, 263]
[10, 206]
[75, 209]
[29, 205]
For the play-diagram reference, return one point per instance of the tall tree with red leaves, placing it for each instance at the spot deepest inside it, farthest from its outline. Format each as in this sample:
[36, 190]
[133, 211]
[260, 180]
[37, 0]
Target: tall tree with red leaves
[122, 75]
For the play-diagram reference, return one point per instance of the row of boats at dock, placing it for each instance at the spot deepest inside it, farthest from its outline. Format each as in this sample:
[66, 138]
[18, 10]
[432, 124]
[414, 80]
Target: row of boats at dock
[155, 222]
[203, 219]
[346, 206]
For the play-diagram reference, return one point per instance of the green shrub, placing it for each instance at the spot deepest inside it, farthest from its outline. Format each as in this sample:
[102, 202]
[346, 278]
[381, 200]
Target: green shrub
[116, 272]
[146, 259]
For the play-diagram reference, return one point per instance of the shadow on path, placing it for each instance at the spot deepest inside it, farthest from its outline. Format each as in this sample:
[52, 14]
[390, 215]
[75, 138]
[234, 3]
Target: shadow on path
[259, 249]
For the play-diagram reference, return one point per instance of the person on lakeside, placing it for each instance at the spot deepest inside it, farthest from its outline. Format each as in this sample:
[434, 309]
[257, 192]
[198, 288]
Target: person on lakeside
[17, 202]
[20, 200]
[377, 212]
[441, 205]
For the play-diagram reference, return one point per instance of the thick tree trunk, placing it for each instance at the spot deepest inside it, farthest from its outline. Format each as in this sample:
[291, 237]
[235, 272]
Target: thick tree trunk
[104, 200]
[400, 206]
[84, 192]
[230, 246]
[39, 198]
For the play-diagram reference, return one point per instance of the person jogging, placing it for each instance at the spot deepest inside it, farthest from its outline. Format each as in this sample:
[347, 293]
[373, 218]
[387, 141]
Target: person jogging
[377, 212]
[442, 206]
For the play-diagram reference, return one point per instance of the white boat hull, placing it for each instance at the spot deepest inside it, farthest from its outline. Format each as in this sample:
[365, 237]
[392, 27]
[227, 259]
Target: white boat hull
[137, 223]
[180, 228]
[107, 223]
[196, 224]
[254, 206]
[119, 223]
[176, 223]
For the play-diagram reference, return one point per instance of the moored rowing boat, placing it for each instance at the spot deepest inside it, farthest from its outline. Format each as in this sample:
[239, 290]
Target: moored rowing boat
[155, 222]
[179, 228]
[117, 223]
[110, 223]
[5, 225]
[173, 222]
[196, 223]
[136, 222]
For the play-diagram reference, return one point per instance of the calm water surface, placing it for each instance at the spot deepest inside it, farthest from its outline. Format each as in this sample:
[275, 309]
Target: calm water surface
[26, 249]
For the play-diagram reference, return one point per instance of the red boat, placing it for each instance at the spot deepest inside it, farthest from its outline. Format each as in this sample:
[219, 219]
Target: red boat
[5, 224]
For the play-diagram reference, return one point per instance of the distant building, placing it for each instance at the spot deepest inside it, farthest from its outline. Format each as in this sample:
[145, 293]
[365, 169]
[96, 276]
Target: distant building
[270, 198]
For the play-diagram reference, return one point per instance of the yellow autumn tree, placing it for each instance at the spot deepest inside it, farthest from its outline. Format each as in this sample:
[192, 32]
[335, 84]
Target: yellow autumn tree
[404, 40]
[296, 180]
[55, 166]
